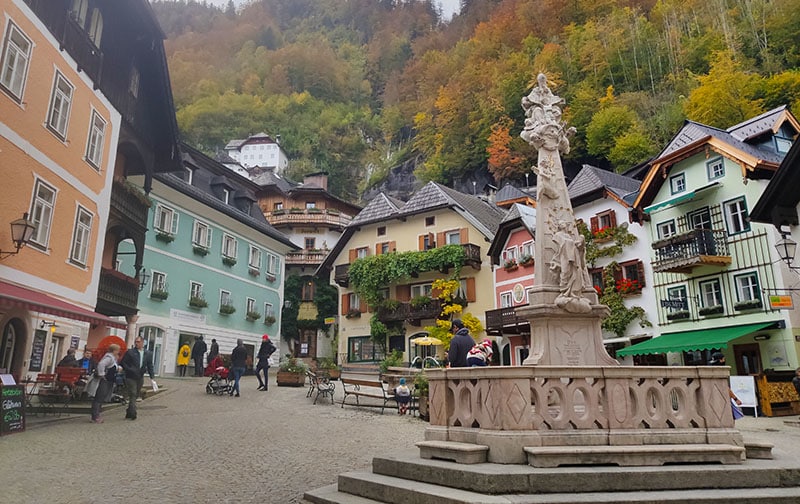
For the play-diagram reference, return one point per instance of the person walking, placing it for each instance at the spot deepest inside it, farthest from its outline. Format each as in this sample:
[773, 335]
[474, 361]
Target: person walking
[184, 353]
[460, 345]
[198, 351]
[267, 349]
[214, 350]
[106, 376]
[238, 363]
[136, 362]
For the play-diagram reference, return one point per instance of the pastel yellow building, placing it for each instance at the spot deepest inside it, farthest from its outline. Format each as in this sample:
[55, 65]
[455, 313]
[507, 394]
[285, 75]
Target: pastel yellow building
[434, 216]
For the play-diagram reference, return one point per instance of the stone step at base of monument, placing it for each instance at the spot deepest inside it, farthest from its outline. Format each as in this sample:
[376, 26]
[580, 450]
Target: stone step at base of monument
[365, 488]
[463, 453]
[518, 478]
[634, 455]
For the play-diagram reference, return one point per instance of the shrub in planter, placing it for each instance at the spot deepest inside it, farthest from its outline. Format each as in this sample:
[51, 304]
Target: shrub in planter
[227, 309]
[253, 272]
[421, 302]
[159, 294]
[253, 315]
[269, 320]
[510, 265]
[164, 237]
[711, 310]
[200, 250]
[750, 304]
[353, 314]
[329, 367]
[197, 302]
[295, 210]
[526, 260]
[291, 372]
[314, 210]
[228, 261]
[279, 211]
[678, 315]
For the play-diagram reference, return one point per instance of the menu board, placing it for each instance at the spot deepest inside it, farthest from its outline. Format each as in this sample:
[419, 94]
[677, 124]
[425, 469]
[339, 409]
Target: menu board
[12, 409]
[37, 351]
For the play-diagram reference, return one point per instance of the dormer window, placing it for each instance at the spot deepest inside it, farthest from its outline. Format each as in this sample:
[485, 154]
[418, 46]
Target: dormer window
[226, 195]
[783, 144]
[189, 175]
[677, 184]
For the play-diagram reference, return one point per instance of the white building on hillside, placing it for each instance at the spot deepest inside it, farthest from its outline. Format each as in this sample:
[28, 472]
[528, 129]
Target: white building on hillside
[259, 150]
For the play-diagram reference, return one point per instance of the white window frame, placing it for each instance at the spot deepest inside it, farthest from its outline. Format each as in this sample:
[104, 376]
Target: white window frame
[749, 291]
[81, 237]
[355, 302]
[158, 281]
[226, 195]
[195, 289]
[189, 175]
[736, 218]
[510, 254]
[79, 9]
[225, 298]
[715, 168]
[165, 219]
[684, 296]
[42, 214]
[418, 290]
[58, 111]
[95, 140]
[666, 229]
[452, 237]
[250, 305]
[201, 234]
[362, 252]
[95, 28]
[527, 248]
[229, 242]
[254, 257]
[506, 299]
[272, 264]
[711, 293]
[269, 310]
[15, 62]
[677, 183]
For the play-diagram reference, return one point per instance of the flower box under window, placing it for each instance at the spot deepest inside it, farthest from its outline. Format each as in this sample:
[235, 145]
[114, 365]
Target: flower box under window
[159, 294]
[279, 211]
[269, 320]
[165, 237]
[678, 315]
[510, 265]
[711, 310]
[227, 309]
[228, 261]
[526, 261]
[270, 277]
[750, 304]
[252, 271]
[314, 210]
[353, 314]
[197, 302]
[200, 250]
[253, 316]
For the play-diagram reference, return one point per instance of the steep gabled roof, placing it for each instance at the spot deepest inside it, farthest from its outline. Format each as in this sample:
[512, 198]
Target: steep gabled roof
[518, 215]
[768, 122]
[269, 178]
[778, 203]
[380, 208]
[509, 194]
[591, 180]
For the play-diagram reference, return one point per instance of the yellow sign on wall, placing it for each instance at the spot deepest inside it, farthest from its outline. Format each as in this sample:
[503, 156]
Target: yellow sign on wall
[330, 320]
[781, 302]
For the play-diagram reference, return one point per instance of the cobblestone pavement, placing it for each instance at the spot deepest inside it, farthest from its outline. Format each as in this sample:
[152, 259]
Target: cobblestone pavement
[187, 446]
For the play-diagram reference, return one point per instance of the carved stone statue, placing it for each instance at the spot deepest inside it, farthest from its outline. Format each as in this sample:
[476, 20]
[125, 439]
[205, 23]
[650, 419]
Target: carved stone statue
[569, 261]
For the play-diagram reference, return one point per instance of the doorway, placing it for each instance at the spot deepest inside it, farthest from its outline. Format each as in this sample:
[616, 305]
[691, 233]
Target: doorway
[153, 338]
[56, 345]
[748, 359]
[7, 345]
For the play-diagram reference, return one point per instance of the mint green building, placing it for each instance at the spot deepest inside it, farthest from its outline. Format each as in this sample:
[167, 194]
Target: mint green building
[216, 267]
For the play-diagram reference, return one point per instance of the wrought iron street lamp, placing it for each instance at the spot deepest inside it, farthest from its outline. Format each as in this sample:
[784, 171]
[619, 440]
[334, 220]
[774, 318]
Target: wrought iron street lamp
[21, 233]
[786, 248]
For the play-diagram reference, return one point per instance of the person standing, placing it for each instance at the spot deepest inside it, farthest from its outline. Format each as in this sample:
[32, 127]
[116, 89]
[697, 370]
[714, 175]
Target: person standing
[107, 375]
[198, 351]
[214, 350]
[135, 362]
[184, 353]
[267, 349]
[238, 363]
[460, 345]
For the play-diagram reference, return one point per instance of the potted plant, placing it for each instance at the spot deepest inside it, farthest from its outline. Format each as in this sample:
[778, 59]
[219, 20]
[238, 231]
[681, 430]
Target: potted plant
[314, 210]
[269, 319]
[678, 315]
[526, 260]
[711, 310]
[252, 271]
[353, 313]
[329, 367]
[750, 304]
[604, 234]
[394, 359]
[270, 276]
[253, 315]
[291, 372]
[228, 261]
[420, 302]
[165, 237]
[197, 302]
[278, 211]
[227, 309]
[421, 388]
[160, 294]
[510, 265]
[200, 250]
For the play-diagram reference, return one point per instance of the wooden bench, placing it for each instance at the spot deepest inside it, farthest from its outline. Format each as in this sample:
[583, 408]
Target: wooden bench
[321, 385]
[362, 387]
[68, 377]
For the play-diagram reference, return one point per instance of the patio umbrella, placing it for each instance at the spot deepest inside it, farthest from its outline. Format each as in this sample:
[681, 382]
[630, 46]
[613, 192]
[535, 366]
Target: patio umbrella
[102, 347]
[427, 341]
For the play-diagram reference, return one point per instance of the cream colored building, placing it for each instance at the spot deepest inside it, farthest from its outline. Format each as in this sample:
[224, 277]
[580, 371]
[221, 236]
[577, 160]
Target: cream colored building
[434, 216]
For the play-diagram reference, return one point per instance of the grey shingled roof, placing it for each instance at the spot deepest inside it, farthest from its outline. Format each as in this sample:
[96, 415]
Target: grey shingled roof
[269, 178]
[380, 208]
[508, 193]
[590, 179]
[526, 215]
[487, 214]
[757, 125]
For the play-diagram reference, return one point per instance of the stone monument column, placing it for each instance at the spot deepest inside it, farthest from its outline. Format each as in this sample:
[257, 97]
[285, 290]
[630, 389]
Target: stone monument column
[564, 313]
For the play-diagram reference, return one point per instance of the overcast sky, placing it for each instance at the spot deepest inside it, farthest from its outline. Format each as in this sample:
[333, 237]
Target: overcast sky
[449, 7]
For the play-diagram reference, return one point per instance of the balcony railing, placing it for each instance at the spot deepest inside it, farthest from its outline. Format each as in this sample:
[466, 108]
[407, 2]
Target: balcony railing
[506, 321]
[406, 312]
[341, 275]
[305, 257]
[699, 247]
[129, 205]
[117, 294]
[308, 216]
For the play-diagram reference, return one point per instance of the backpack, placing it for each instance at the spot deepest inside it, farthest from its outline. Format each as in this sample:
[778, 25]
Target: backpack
[111, 374]
[271, 349]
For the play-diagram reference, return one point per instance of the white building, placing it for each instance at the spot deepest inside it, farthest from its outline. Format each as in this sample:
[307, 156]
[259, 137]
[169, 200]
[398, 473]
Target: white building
[259, 150]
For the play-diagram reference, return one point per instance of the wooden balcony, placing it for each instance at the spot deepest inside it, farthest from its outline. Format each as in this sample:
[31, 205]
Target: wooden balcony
[406, 312]
[117, 294]
[308, 216]
[505, 321]
[129, 205]
[341, 275]
[305, 257]
[472, 255]
[683, 253]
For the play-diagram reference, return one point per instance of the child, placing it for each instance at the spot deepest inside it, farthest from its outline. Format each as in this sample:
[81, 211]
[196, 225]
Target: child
[402, 395]
[480, 354]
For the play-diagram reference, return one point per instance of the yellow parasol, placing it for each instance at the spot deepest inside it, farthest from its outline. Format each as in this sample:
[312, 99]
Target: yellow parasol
[426, 341]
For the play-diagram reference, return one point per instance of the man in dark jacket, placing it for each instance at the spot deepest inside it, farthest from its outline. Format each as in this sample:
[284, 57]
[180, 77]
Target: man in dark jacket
[238, 364]
[198, 351]
[136, 362]
[460, 345]
[214, 350]
[267, 349]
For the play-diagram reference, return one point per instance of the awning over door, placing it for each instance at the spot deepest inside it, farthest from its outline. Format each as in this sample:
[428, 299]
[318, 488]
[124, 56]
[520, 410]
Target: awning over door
[28, 299]
[704, 339]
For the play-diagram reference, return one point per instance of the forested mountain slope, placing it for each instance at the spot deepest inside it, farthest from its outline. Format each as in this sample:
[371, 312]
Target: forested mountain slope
[356, 86]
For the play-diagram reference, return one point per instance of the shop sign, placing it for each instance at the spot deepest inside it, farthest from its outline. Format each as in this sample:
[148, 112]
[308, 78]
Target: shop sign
[12, 409]
[781, 302]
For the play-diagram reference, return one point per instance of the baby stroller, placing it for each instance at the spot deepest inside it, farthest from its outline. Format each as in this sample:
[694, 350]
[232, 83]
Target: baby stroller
[220, 382]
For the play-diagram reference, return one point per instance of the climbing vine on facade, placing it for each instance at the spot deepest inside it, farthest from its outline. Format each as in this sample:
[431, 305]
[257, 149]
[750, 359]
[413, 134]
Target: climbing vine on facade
[325, 299]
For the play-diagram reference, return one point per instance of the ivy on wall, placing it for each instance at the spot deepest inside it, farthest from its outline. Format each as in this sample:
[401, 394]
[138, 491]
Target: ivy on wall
[325, 299]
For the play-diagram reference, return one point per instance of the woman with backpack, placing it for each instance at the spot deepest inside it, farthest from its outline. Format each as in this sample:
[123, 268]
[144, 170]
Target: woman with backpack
[107, 374]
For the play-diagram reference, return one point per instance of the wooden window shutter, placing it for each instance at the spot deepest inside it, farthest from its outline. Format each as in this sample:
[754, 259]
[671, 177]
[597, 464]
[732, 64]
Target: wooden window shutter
[392, 246]
[403, 293]
[421, 242]
[435, 293]
[612, 217]
[377, 249]
[345, 304]
[431, 241]
[464, 236]
[594, 224]
[640, 271]
[471, 298]
[441, 241]
[353, 255]
[618, 274]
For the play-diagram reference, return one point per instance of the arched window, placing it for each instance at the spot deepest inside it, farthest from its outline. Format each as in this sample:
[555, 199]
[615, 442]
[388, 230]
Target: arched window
[96, 27]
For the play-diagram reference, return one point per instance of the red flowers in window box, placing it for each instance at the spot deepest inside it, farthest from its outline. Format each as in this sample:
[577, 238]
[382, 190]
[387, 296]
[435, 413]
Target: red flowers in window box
[628, 286]
[604, 234]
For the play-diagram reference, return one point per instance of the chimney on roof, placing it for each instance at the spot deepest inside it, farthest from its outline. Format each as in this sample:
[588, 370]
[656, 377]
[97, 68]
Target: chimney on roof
[278, 139]
[319, 179]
